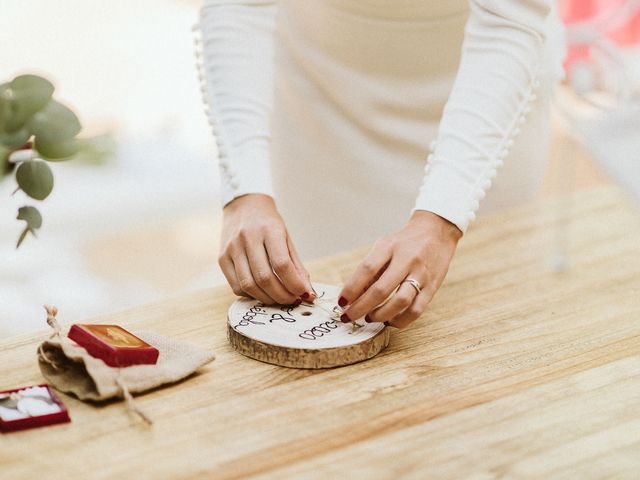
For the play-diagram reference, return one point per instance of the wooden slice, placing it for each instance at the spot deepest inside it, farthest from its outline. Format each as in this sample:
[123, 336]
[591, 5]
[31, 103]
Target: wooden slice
[304, 336]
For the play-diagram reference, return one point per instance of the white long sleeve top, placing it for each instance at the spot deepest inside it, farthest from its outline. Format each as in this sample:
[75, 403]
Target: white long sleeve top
[491, 96]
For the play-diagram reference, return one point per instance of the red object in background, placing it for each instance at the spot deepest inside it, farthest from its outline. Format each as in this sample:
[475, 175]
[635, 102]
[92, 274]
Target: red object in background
[624, 32]
[114, 345]
[38, 421]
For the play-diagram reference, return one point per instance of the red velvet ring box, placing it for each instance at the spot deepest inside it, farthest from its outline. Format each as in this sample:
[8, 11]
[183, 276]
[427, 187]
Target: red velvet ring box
[113, 344]
[34, 421]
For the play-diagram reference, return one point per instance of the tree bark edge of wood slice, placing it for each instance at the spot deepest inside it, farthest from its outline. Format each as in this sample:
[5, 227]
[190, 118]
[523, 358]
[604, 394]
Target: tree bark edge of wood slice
[306, 358]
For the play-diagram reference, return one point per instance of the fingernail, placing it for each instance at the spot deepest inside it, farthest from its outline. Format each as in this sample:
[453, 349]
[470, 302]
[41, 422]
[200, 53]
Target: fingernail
[367, 319]
[345, 318]
[342, 301]
[305, 295]
[296, 303]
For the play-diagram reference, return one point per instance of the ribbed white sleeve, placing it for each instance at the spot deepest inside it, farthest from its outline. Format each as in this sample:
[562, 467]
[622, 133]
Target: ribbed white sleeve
[491, 96]
[234, 48]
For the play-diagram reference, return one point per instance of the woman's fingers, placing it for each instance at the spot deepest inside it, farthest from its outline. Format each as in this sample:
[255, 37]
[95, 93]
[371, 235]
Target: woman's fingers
[416, 309]
[379, 291]
[257, 257]
[283, 266]
[421, 250]
[226, 264]
[365, 275]
[412, 313]
[396, 305]
[265, 271]
[306, 278]
[246, 281]
[264, 276]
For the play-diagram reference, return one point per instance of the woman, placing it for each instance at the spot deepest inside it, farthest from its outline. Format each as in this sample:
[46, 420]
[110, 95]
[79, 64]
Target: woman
[329, 106]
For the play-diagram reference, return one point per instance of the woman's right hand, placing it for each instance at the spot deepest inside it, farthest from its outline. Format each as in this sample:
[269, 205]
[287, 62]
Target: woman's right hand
[257, 256]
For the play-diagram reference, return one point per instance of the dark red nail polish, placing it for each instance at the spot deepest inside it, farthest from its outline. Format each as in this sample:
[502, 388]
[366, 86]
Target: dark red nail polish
[305, 295]
[296, 303]
[367, 319]
[342, 301]
[345, 318]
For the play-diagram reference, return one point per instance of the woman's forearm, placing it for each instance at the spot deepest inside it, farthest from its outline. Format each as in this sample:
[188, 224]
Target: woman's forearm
[493, 92]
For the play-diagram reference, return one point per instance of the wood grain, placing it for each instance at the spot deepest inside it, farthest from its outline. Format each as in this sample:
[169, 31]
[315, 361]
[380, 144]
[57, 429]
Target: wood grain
[513, 372]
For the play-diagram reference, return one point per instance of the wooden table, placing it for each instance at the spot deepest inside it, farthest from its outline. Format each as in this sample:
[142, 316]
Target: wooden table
[515, 371]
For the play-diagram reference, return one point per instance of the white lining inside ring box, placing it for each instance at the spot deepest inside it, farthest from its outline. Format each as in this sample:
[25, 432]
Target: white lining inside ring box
[27, 403]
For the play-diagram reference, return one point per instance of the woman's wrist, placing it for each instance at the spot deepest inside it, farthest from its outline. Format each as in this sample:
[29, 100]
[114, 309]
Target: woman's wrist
[250, 200]
[432, 224]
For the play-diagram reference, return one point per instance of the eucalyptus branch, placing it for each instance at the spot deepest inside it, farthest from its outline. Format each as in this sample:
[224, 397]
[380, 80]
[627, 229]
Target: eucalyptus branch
[35, 129]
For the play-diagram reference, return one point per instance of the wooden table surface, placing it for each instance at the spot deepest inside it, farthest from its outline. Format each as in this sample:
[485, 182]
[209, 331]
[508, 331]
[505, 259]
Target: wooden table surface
[514, 372]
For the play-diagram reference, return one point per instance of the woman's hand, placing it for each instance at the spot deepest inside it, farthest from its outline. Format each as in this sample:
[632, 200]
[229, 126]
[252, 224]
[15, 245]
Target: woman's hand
[422, 250]
[257, 256]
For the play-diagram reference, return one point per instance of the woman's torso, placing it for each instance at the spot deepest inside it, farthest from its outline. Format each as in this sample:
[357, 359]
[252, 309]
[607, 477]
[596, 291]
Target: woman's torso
[360, 86]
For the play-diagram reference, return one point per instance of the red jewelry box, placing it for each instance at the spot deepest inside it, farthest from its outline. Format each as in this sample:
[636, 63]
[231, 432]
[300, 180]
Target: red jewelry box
[113, 344]
[36, 421]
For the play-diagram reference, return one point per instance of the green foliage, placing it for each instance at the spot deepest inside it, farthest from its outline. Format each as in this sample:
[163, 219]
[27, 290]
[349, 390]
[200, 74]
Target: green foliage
[56, 152]
[55, 123]
[28, 113]
[96, 150]
[35, 179]
[4, 154]
[14, 139]
[22, 98]
[33, 220]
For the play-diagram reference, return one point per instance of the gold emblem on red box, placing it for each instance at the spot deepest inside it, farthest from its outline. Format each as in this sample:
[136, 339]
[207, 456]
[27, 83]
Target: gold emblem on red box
[116, 336]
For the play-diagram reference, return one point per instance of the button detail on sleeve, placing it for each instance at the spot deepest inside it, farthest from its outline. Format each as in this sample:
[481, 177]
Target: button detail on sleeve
[506, 145]
[209, 111]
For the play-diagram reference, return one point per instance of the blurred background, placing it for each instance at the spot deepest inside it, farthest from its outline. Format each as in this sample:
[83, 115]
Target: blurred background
[142, 223]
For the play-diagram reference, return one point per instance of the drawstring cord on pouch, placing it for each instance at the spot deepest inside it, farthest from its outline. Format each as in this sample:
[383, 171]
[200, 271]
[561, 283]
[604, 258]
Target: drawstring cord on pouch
[53, 323]
[132, 407]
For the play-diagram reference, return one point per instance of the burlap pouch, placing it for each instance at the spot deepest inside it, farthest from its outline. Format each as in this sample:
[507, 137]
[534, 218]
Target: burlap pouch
[70, 368]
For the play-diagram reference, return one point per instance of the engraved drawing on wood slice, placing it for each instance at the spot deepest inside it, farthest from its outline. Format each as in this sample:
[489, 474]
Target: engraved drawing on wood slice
[305, 336]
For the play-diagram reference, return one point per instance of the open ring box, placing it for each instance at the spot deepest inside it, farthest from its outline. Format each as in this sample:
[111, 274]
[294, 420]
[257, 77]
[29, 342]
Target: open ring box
[30, 407]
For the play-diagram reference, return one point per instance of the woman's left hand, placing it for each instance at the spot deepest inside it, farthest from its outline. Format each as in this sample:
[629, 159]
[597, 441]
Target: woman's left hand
[422, 250]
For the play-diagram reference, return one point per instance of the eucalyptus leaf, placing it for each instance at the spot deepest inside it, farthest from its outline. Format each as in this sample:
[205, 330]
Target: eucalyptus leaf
[26, 95]
[4, 105]
[97, 150]
[32, 217]
[4, 158]
[55, 123]
[28, 112]
[15, 139]
[34, 85]
[35, 179]
[56, 152]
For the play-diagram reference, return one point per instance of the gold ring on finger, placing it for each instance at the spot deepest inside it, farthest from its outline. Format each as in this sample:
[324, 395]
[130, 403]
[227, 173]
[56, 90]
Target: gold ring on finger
[414, 283]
